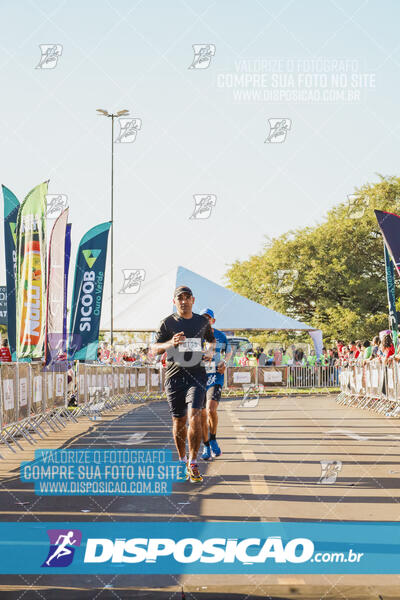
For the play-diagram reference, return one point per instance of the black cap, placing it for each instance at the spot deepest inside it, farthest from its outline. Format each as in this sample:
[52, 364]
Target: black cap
[182, 289]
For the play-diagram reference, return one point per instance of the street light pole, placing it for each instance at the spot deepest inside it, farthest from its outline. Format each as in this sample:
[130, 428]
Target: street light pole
[112, 116]
[112, 232]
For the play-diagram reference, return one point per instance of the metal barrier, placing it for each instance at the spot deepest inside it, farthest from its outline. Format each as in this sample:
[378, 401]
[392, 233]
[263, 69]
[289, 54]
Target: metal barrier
[313, 377]
[35, 399]
[372, 386]
[281, 376]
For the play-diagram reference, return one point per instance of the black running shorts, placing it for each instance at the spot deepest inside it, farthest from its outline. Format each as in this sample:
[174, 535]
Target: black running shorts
[184, 389]
[213, 393]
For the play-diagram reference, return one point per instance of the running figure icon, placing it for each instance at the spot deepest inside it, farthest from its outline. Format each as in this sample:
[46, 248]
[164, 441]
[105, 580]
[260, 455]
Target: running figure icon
[62, 549]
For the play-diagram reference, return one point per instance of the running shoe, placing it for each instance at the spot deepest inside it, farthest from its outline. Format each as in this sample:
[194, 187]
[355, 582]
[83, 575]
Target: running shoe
[215, 449]
[194, 474]
[206, 453]
[185, 473]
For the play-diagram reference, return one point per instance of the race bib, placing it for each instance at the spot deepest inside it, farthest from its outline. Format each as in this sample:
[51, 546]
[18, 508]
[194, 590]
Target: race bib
[190, 345]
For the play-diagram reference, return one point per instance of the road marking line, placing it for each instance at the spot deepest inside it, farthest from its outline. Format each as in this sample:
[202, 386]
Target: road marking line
[259, 485]
[249, 454]
[238, 427]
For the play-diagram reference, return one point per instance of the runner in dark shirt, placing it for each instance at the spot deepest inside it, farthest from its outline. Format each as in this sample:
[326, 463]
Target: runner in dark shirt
[182, 336]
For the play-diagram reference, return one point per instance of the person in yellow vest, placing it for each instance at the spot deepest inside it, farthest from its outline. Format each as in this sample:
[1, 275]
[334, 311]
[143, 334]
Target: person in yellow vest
[324, 358]
[236, 359]
[312, 359]
[285, 358]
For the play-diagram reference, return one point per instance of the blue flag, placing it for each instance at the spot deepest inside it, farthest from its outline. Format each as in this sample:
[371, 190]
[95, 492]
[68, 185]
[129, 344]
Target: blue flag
[389, 224]
[11, 207]
[391, 293]
[88, 294]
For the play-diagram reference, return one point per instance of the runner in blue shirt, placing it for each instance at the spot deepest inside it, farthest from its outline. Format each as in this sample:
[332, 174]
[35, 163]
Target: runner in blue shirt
[215, 381]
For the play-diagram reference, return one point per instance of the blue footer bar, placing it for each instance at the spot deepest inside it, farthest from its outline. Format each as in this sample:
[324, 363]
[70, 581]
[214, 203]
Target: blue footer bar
[223, 548]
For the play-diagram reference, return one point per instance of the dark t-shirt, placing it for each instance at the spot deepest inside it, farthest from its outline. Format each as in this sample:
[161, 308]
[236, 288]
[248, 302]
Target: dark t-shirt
[196, 330]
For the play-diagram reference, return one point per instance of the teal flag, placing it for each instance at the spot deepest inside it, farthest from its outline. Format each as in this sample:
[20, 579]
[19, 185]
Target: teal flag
[11, 207]
[391, 294]
[88, 294]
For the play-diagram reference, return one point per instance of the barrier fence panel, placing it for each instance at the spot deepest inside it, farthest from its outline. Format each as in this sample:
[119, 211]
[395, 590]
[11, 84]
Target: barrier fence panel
[126, 379]
[237, 377]
[38, 401]
[372, 385]
[9, 389]
[60, 388]
[121, 375]
[110, 383]
[50, 391]
[313, 376]
[272, 376]
[9, 404]
[82, 391]
[142, 381]
[23, 379]
[32, 396]
[154, 380]
[132, 380]
[396, 374]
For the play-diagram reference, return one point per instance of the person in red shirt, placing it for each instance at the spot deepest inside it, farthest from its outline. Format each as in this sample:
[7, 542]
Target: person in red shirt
[387, 347]
[5, 354]
[357, 350]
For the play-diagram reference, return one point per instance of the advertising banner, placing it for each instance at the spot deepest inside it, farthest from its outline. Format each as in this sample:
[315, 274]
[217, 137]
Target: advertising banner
[31, 273]
[55, 289]
[88, 293]
[11, 207]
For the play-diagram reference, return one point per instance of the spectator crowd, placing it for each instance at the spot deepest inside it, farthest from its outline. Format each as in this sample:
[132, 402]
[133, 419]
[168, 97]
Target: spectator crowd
[381, 348]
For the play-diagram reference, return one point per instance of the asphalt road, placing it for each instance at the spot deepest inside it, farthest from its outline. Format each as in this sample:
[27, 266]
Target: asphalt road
[270, 470]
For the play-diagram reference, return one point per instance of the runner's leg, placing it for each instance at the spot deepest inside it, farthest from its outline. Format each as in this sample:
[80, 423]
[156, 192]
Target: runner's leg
[212, 415]
[176, 388]
[194, 433]
[195, 400]
[204, 424]
[213, 398]
[206, 455]
[179, 432]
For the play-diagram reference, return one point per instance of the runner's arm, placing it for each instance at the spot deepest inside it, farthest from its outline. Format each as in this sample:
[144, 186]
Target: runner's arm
[210, 342]
[164, 341]
[228, 353]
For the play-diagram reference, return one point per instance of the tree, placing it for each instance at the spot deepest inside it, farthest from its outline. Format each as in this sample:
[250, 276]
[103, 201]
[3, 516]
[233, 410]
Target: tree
[331, 276]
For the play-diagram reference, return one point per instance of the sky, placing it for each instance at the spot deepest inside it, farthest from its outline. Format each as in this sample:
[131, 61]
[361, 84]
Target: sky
[333, 67]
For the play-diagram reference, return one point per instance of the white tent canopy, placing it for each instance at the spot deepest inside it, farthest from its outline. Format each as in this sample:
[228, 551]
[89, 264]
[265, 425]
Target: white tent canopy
[144, 310]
